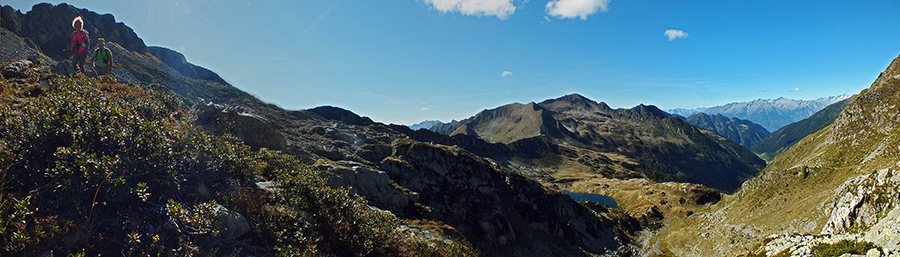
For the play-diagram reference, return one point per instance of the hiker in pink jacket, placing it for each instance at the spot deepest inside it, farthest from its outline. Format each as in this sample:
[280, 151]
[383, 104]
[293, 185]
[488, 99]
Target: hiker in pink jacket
[80, 41]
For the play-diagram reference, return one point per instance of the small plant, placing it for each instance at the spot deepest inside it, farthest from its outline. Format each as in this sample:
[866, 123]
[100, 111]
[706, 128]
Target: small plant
[141, 191]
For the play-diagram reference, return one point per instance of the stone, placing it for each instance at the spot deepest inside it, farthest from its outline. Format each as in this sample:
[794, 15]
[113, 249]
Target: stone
[873, 253]
[233, 224]
[16, 69]
[64, 68]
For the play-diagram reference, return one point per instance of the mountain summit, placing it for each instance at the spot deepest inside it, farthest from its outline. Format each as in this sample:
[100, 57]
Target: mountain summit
[642, 142]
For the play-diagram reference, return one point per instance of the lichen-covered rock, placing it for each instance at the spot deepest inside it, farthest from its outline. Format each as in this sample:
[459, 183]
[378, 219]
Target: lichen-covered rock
[16, 69]
[375, 185]
[233, 224]
[253, 129]
[886, 233]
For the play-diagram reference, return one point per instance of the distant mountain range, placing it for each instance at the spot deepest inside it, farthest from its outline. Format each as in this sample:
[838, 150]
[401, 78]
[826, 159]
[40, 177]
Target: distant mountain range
[424, 124]
[772, 114]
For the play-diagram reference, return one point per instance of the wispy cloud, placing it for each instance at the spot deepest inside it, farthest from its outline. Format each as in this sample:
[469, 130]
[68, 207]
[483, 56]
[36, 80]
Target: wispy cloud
[795, 90]
[673, 34]
[570, 9]
[320, 18]
[762, 90]
[500, 8]
[506, 73]
[425, 109]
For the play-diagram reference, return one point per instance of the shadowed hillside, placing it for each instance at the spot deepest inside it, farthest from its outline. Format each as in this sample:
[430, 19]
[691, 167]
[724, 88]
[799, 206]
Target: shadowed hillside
[743, 132]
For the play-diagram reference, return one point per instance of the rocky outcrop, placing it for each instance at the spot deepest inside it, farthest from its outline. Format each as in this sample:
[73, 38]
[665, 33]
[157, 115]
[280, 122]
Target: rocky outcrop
[500, 212]
[16, 69]
[342, 115]
[256, 131]
[863, 200]
[177, 61]
[886, 233]
[375, 185]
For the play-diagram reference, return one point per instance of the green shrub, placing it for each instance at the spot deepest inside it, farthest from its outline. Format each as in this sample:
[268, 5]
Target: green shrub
[125, 168]
[842, 247]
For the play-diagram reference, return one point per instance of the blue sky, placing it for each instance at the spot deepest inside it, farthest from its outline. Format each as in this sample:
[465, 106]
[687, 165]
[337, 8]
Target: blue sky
[404, 61]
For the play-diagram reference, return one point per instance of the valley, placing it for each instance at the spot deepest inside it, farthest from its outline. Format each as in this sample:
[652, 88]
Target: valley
[166, 157]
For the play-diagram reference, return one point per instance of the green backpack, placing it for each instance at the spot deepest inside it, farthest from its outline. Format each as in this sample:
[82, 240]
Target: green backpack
[102, 55]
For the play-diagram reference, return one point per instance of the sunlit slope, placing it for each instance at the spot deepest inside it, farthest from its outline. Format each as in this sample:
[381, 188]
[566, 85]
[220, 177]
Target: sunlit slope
[797, 191]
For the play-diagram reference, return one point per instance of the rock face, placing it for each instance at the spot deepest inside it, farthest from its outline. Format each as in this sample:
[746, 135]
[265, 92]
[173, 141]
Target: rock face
[863, 200]
[50, 28]
[744, 132]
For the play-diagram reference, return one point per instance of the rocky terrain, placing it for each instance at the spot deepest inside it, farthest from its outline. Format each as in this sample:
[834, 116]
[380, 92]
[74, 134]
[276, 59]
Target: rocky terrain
[744, 132]
[463, 195]
[772, 114]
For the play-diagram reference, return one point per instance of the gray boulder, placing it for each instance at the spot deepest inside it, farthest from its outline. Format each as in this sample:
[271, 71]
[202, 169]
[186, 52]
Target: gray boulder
[16, 69]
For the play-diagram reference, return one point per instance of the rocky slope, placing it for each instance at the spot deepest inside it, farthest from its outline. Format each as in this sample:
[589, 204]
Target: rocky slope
[575, 138]
[744, 132]
[772, 114]
[785, 137]
[498, 211]
[839, 180]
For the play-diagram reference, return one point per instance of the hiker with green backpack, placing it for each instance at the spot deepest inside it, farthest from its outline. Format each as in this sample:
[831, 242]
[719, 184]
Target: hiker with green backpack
[102, 59]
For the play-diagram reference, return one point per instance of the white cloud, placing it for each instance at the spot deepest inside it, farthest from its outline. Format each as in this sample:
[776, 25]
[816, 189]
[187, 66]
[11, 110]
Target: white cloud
[506, 73]
[762, 90]
[425, 109]
[500, 8]
[795, 89]
[673, 34]
[570, 9]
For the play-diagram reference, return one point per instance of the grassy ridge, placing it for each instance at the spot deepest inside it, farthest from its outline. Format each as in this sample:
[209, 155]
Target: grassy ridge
[92, 167]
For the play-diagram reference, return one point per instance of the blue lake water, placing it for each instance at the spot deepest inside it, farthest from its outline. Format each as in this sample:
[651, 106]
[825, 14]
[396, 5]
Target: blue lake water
[599, 199]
